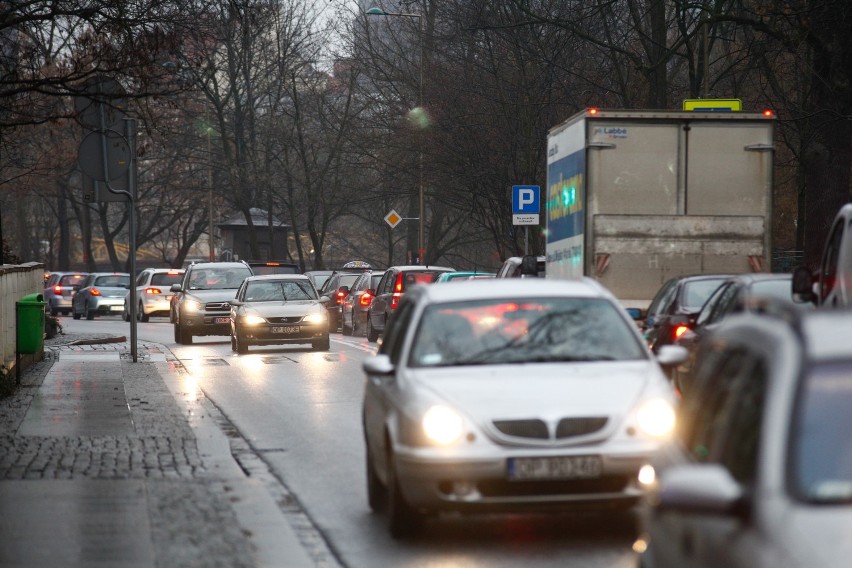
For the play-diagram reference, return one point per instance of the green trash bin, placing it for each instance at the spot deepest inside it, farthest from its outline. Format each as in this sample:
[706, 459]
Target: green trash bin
[30, 320]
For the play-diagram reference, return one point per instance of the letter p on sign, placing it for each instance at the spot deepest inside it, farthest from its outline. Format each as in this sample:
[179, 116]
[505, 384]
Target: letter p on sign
[526, 204]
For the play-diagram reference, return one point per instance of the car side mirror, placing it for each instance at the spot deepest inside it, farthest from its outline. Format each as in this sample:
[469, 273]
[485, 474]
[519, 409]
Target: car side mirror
[803, 285]
[175, 288]
[236, 303]
[379, 366]
[324, 299]
[634, 313]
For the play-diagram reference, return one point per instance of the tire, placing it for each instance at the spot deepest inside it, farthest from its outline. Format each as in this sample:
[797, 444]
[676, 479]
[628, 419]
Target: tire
[75, 314]
[403, 519]
[125, 315]
[322, 344]
[90, 315]
[355, 331]
[345, 329]
[242, 347]
[372, 334]
[141, 315]
[182, 337]
[177, 333]
[376, 492]
[233, 344]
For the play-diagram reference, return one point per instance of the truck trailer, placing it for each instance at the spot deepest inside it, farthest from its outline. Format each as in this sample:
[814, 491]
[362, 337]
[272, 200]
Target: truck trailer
[636, 197]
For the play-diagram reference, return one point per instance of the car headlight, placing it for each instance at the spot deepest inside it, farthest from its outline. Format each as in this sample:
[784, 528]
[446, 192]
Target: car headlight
[315, 318]
[656, 418]
[193, 306]
[252, 320]
[442, 425]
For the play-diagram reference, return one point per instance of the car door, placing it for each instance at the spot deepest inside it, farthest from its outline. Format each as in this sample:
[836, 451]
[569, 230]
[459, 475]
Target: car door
[380, 304]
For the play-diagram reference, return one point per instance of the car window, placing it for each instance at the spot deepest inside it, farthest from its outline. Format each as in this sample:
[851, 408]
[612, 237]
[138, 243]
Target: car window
[740, 443]
[821, 448]
[394, 335]
[374, 280]
[279, 291]
[696, 292]
[781, 289]
[218, 278]
[348, 280]
[112, 281]
[726, 303]
[165, 278]
[707, 314]
[71, 279]
[659, 305]
[505, 331]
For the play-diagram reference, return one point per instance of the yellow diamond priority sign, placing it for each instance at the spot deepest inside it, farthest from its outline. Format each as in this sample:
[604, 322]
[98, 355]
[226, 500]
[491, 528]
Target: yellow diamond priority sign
[393, 218]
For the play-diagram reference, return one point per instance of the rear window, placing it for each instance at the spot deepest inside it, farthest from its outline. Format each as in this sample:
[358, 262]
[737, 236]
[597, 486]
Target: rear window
[70, 279]
[348, 279]
[419, 277]
[697, 293]
[113, 281]
[166, 278]
[274, 268]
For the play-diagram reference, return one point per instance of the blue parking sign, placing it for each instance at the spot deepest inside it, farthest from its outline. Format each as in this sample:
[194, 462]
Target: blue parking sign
[526, 199]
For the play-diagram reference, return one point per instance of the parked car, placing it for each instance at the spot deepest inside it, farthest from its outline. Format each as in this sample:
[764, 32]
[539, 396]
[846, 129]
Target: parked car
[337, 287]
[676, 305]
[458, 276]
[278, 309]
[353, 311]
[395, 282]
[528, 266]
[153, 293]
[761, 474]
[59, 291]
[260, 267]
[319, 277]
[201, 301]
[491, 396]
[744, 293]
[101, 293]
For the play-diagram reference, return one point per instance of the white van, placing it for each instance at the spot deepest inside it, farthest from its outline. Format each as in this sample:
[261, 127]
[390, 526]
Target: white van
[832, 286]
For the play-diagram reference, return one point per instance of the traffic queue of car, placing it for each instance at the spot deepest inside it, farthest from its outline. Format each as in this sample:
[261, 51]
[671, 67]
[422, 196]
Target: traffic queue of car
[720, 418]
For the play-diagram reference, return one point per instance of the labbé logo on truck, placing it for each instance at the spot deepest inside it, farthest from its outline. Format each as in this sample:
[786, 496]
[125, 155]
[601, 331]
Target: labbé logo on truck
[610, 133]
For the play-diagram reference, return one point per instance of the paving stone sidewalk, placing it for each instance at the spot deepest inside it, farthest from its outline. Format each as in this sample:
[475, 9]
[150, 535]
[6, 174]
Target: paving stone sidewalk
[132, 457]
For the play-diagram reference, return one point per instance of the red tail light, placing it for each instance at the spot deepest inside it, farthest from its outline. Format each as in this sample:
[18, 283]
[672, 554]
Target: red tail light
[340, 296]
[366, 299]
[94, 292]
[152, 291]
[680, 330]
[57, 289]
[397, 287]
[395, 300]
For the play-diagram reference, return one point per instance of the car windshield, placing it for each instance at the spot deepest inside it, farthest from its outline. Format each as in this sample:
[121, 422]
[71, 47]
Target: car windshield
[696, 293]
[821, 445]
[71, 279]
[523, 331]
[217, 278]
[166, 278]
[781, 289]
[112, 281]
[279, 291]
[319, 279]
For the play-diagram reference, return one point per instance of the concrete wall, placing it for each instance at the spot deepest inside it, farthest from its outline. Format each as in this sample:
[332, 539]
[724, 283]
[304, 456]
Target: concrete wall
[16, 281]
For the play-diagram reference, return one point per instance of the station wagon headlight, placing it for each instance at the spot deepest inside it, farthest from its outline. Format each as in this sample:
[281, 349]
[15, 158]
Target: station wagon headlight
[253, 320]
[314, 318]
[442, 425]
[656, 418]
[193, 306]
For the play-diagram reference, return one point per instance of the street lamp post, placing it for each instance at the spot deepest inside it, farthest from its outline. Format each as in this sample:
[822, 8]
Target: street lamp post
[422, 198]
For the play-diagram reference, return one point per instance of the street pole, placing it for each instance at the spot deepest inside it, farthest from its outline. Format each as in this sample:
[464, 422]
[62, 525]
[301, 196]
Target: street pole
[422, 255]
[210, 197]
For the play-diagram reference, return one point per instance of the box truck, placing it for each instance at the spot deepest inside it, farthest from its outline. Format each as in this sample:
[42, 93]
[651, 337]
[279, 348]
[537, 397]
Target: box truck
[636, 197]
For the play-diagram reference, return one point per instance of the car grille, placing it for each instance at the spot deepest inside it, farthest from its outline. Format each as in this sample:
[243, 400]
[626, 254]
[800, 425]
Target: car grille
[504, 488]
[288, 319]
[217, 307]
[538, 430]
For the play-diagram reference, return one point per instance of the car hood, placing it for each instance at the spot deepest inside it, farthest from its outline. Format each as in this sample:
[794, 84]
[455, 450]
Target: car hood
[213, 295]
[283, 309]
[545, 390]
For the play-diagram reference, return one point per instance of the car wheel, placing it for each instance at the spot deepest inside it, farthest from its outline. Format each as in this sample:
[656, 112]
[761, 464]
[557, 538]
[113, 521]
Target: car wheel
[403, 519]
[322, 344]
[141, 315]
[125, 315]
[376, 492]
[75, 314]
[90, 315]
[372, 334]
[185, 336]
[355, 331]
[345, 329]
[242, 346]
[233, 344]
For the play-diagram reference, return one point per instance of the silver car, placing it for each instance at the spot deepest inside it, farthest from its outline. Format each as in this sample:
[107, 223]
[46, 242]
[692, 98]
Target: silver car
[761, 473]
[490, 395]
[101, 293]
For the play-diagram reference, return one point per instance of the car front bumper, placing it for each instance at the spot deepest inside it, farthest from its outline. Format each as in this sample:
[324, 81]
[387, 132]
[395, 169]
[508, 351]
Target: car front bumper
[281, 333]
[207, 324]
[478, 484]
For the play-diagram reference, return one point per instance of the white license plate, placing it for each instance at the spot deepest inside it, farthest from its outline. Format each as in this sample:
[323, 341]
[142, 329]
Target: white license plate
[117, 308]
[221, 320]
[285, 329]
[564, 467]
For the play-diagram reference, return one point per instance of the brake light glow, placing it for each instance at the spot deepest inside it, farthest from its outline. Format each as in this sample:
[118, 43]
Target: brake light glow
[395, 300]
[173, 272]
[152, 291]
[94, 292]
[57, 289]
[680, 330]
[397, 286]
[340, 296]
[366, 299]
